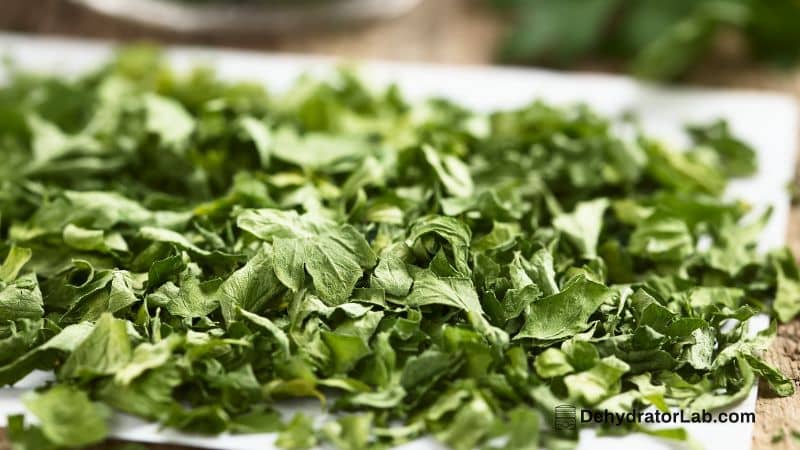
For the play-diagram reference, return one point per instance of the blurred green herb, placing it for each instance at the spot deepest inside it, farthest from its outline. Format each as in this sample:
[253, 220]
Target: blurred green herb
[657, 39]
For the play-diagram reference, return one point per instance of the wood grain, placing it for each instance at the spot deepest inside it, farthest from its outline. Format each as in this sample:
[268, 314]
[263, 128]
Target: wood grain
[442, 31]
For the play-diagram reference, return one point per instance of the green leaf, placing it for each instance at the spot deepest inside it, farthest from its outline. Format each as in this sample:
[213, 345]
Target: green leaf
[250, 287]
[451, 230]
[191, 299]
[501, 237]
[524, 424]
[662, 240]
[451, 171]
[787, 297]
[454, 292]
[583, 225]
[16, 258]
[317, 150]
[289, 262]
[106, 350]
[346, 350]
[149, 395]
[298, 435]
[122, 294]
[333, 255]
[93, 240]
[147, 356]
[597, 383]
[334, 276]
[471, 423]
[261, 137]
[780, 383]
[26, 438]
[268, 421]
[46, 355]
[67, 417]
[270, 327]
[736, 156]
[567, 313]
[168, 120]
[21, 299]
[350, 432]
[681, 171]
[171, 237]
[735, 393]
[541, 271]
[392, 276]
[552, 363]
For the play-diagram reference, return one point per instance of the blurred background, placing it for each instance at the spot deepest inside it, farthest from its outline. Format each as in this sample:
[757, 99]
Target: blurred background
[751, 44]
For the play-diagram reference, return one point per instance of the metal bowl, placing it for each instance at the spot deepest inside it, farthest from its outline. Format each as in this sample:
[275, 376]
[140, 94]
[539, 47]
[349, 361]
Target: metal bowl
[248, 16]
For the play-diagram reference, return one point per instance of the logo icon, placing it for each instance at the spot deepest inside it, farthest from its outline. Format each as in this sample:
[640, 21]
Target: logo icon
[564, 418]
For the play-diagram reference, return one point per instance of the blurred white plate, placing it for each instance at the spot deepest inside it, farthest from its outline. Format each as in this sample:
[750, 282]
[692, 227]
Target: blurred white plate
[267, 16]
[766, 121]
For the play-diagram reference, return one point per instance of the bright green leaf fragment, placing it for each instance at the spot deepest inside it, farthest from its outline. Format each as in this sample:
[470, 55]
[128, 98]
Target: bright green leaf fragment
[21, 299]
[333, 255]
[299, 434]
[68, 417]
[168, 119]
[17, 258]
[567, 313]
[106, 350]
[583, 225]
[470, 424]
[350, 432]
[597, 383]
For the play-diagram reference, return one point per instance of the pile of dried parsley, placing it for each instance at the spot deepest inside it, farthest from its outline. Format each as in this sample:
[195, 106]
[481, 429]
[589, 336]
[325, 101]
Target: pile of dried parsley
[196, 252]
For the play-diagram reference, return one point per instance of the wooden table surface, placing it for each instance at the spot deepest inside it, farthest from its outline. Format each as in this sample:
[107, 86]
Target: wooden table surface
[445, 31]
